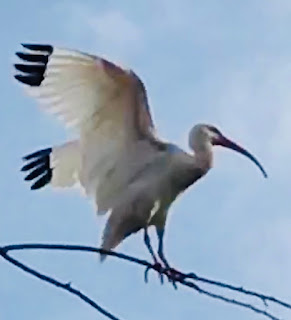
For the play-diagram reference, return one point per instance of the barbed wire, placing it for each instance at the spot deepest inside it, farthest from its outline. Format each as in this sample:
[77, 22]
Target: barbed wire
[186, 279]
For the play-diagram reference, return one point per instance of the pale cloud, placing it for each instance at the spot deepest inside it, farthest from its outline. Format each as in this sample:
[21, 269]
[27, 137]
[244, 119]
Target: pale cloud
[114, 27]
[171, 14]
[108, 30]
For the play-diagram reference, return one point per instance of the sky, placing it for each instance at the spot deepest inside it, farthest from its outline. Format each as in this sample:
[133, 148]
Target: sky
[221, 62]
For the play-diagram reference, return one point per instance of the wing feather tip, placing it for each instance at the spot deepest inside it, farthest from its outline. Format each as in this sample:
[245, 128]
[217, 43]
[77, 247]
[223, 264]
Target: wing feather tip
[38, 154]
[38, 47]
[33, 80]
[30, 68]
[39, 168]
[34, 73]
[29, 57]
[43, 181]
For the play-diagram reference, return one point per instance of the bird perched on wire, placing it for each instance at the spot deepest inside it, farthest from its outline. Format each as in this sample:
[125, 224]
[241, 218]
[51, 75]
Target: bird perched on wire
[117, 159]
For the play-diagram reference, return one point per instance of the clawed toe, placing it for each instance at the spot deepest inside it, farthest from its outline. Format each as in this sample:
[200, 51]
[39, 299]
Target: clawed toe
[174, 276]
[158, 267]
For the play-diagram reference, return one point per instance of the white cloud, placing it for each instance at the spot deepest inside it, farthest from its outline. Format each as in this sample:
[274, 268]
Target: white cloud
[106, 31]
[114, 27]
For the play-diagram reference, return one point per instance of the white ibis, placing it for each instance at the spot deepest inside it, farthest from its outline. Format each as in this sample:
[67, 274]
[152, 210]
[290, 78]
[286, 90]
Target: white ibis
[117, 159]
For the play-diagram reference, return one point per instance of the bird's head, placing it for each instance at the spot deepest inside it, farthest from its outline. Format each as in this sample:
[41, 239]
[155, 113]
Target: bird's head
[203, 136]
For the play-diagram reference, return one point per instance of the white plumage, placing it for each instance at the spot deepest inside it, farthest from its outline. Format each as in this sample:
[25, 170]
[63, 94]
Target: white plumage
[117, 158]
[66, 161]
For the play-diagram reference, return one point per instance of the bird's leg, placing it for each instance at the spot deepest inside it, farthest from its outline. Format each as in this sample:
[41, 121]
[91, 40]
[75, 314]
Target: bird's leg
[157, 265]
[172, 273]
[147, 242]
[160, 233]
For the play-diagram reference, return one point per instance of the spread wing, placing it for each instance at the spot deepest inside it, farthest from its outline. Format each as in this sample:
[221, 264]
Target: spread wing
[83, 90]
[107, 105]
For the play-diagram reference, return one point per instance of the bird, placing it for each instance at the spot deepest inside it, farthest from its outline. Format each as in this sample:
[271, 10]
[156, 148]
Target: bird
[117, 159]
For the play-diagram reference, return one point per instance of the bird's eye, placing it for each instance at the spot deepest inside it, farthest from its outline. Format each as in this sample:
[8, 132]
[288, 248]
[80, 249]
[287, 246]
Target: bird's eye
[214, 130]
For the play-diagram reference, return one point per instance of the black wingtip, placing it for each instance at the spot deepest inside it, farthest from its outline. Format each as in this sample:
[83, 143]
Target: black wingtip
[40, 58]
[34, 80]
[32, 164]
[39, 168]
[33, 74]
[44, 180]
[38, 47]
[30, 68]
[36, 172]
[38, 154]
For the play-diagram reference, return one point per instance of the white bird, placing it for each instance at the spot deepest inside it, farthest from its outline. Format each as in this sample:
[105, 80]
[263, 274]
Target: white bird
[117, 159]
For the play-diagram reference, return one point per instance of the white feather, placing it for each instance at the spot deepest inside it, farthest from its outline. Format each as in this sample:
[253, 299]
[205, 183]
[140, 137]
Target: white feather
[65, 161]
[108, 106]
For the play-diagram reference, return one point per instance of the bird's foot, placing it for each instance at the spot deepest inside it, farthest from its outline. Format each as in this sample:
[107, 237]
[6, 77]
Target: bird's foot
[156, 266]
[174, 275]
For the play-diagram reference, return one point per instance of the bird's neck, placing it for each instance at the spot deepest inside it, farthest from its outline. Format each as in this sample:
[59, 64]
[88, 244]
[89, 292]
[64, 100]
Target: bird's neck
[204, 158]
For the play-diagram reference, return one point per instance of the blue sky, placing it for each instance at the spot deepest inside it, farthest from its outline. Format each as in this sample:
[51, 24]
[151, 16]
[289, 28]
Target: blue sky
[223, 63]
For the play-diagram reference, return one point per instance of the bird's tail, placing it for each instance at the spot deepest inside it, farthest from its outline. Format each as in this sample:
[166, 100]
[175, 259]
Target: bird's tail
[112, 237]
[58, 166]
[125, 219]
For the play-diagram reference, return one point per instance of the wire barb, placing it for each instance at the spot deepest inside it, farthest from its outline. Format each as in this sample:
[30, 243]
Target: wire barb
[65, 286]
[186, 279]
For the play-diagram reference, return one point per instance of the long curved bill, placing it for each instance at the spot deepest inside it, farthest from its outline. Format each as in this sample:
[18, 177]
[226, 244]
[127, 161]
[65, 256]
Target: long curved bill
[223, 141]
